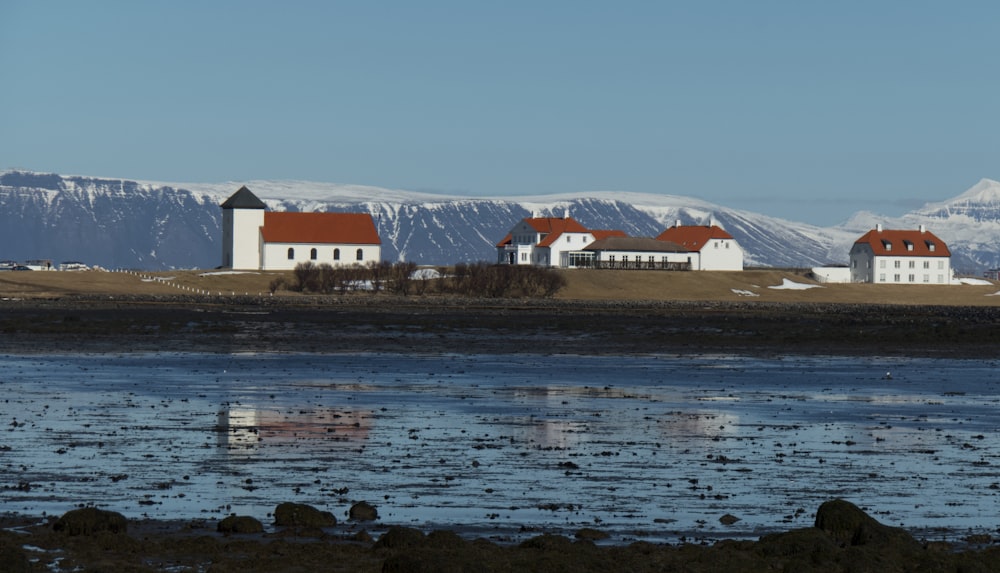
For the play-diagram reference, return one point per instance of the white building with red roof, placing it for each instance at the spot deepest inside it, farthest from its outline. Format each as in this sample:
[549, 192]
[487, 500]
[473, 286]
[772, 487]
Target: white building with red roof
[255, 238]
[709, 247]
[886, 256]
[545, 241]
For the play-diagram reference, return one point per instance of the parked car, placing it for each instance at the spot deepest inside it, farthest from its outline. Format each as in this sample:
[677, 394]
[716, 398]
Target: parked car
[21, 268]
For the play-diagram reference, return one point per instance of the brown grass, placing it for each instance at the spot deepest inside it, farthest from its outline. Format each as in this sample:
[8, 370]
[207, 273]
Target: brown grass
[581, 285]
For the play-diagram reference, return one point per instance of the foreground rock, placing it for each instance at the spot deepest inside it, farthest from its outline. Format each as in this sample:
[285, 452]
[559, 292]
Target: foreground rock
[844, 539]
[302, 515]
[240, 524]
[90, 520]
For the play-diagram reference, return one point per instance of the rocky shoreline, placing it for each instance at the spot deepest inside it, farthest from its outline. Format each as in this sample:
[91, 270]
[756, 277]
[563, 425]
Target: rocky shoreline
[429, 324]
[843, 538]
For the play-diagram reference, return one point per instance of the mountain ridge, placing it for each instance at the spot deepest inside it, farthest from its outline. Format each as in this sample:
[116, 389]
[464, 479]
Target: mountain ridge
[121, 223]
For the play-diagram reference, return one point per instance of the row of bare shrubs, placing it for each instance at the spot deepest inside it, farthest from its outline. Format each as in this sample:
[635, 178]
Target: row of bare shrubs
[465, 279]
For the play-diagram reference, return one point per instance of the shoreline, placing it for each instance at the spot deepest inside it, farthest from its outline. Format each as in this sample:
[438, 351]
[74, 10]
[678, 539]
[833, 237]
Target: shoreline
[843, 538]
[492, 326]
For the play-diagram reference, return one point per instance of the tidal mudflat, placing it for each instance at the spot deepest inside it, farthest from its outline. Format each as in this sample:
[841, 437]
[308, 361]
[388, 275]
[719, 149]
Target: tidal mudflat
[648, 447]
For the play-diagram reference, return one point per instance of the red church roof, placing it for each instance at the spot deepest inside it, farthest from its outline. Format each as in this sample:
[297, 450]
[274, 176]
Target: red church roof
[693, 237]
[320, 228]
[907, 243]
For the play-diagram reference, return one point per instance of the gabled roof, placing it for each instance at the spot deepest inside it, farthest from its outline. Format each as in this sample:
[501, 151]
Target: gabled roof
[605, 233]
[243, 199]
[693, 237]
[904, 243]
[506, 240]
[635, 244]
[320, 228]
[555, 225]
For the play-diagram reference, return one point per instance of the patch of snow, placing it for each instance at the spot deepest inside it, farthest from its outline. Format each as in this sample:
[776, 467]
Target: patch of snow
[742, 292]
[213, 273]
[425, 274]
[970, 281]
[792, 285]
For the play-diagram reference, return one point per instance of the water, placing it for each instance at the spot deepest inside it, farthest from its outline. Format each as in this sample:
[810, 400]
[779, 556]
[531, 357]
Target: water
[644, 447]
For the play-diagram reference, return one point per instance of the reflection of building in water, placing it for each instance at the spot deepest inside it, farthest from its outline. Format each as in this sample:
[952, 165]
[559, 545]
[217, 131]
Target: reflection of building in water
[700, 424]
[246, 428]
[558, 434]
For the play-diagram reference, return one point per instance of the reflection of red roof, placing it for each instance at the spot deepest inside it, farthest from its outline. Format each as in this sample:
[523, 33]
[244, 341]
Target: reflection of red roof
[904, 243]
[320, 228]
[693, 237]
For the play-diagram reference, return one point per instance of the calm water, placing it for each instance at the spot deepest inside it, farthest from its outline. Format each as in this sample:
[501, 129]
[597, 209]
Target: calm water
[651, 447]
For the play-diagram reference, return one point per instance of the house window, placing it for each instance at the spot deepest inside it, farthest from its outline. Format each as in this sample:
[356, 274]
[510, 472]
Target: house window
[927, 278]
[895, 264]
[854, 263]
[895, 278]
[336, 254]
[940, 278]
[910, 278]
[913, 264]
[881, 277]
[312, 254]
[361, 255]
[881, 264]
[927, 264]
[524, 257]
[291, 254]
[940, 265]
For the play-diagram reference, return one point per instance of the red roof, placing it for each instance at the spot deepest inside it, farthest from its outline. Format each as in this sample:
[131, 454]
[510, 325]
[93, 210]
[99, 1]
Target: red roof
[607, 233]
[693, 237]
[555, 225]
[916, 243]
[320, 228]
[506, 240]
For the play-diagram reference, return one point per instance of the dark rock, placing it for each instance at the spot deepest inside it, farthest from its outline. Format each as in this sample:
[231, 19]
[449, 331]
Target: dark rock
[848, 524]
[398, 537]
[13, 559]
[591, 534]
[728, 519]
[548, 542]
[302, 515]
[444, 538]
[363, 511]
[90, 520]
[240, 524]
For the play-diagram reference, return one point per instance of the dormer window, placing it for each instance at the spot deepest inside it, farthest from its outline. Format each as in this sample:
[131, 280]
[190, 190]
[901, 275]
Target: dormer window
[887, 245]
[930, 246]
[909, 245]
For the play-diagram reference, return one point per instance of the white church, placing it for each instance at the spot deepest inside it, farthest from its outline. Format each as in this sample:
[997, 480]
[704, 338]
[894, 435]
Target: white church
[254, 238]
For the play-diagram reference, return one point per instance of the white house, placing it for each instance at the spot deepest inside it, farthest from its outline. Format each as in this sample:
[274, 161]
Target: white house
[885, 256]
[544, 241]
[710, 247]
[255, 238]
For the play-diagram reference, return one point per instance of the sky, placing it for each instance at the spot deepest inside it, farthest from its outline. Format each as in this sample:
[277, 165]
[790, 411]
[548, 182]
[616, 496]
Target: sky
[802, 109]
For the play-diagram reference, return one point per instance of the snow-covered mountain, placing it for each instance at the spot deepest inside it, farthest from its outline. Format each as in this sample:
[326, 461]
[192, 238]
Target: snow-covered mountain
[118, 223]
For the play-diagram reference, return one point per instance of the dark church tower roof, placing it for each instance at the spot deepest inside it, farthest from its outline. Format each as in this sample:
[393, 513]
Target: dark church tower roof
[244, 199]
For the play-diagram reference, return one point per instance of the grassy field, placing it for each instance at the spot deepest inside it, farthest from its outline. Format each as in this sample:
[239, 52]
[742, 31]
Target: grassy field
[746, 286]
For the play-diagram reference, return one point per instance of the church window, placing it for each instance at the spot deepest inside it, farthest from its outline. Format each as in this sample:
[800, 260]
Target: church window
[336, 254]
[361, 254]
[291, 253]
[312, 254]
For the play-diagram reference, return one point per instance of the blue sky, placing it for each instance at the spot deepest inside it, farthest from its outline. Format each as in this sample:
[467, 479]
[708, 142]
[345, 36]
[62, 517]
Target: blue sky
[801, 109]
